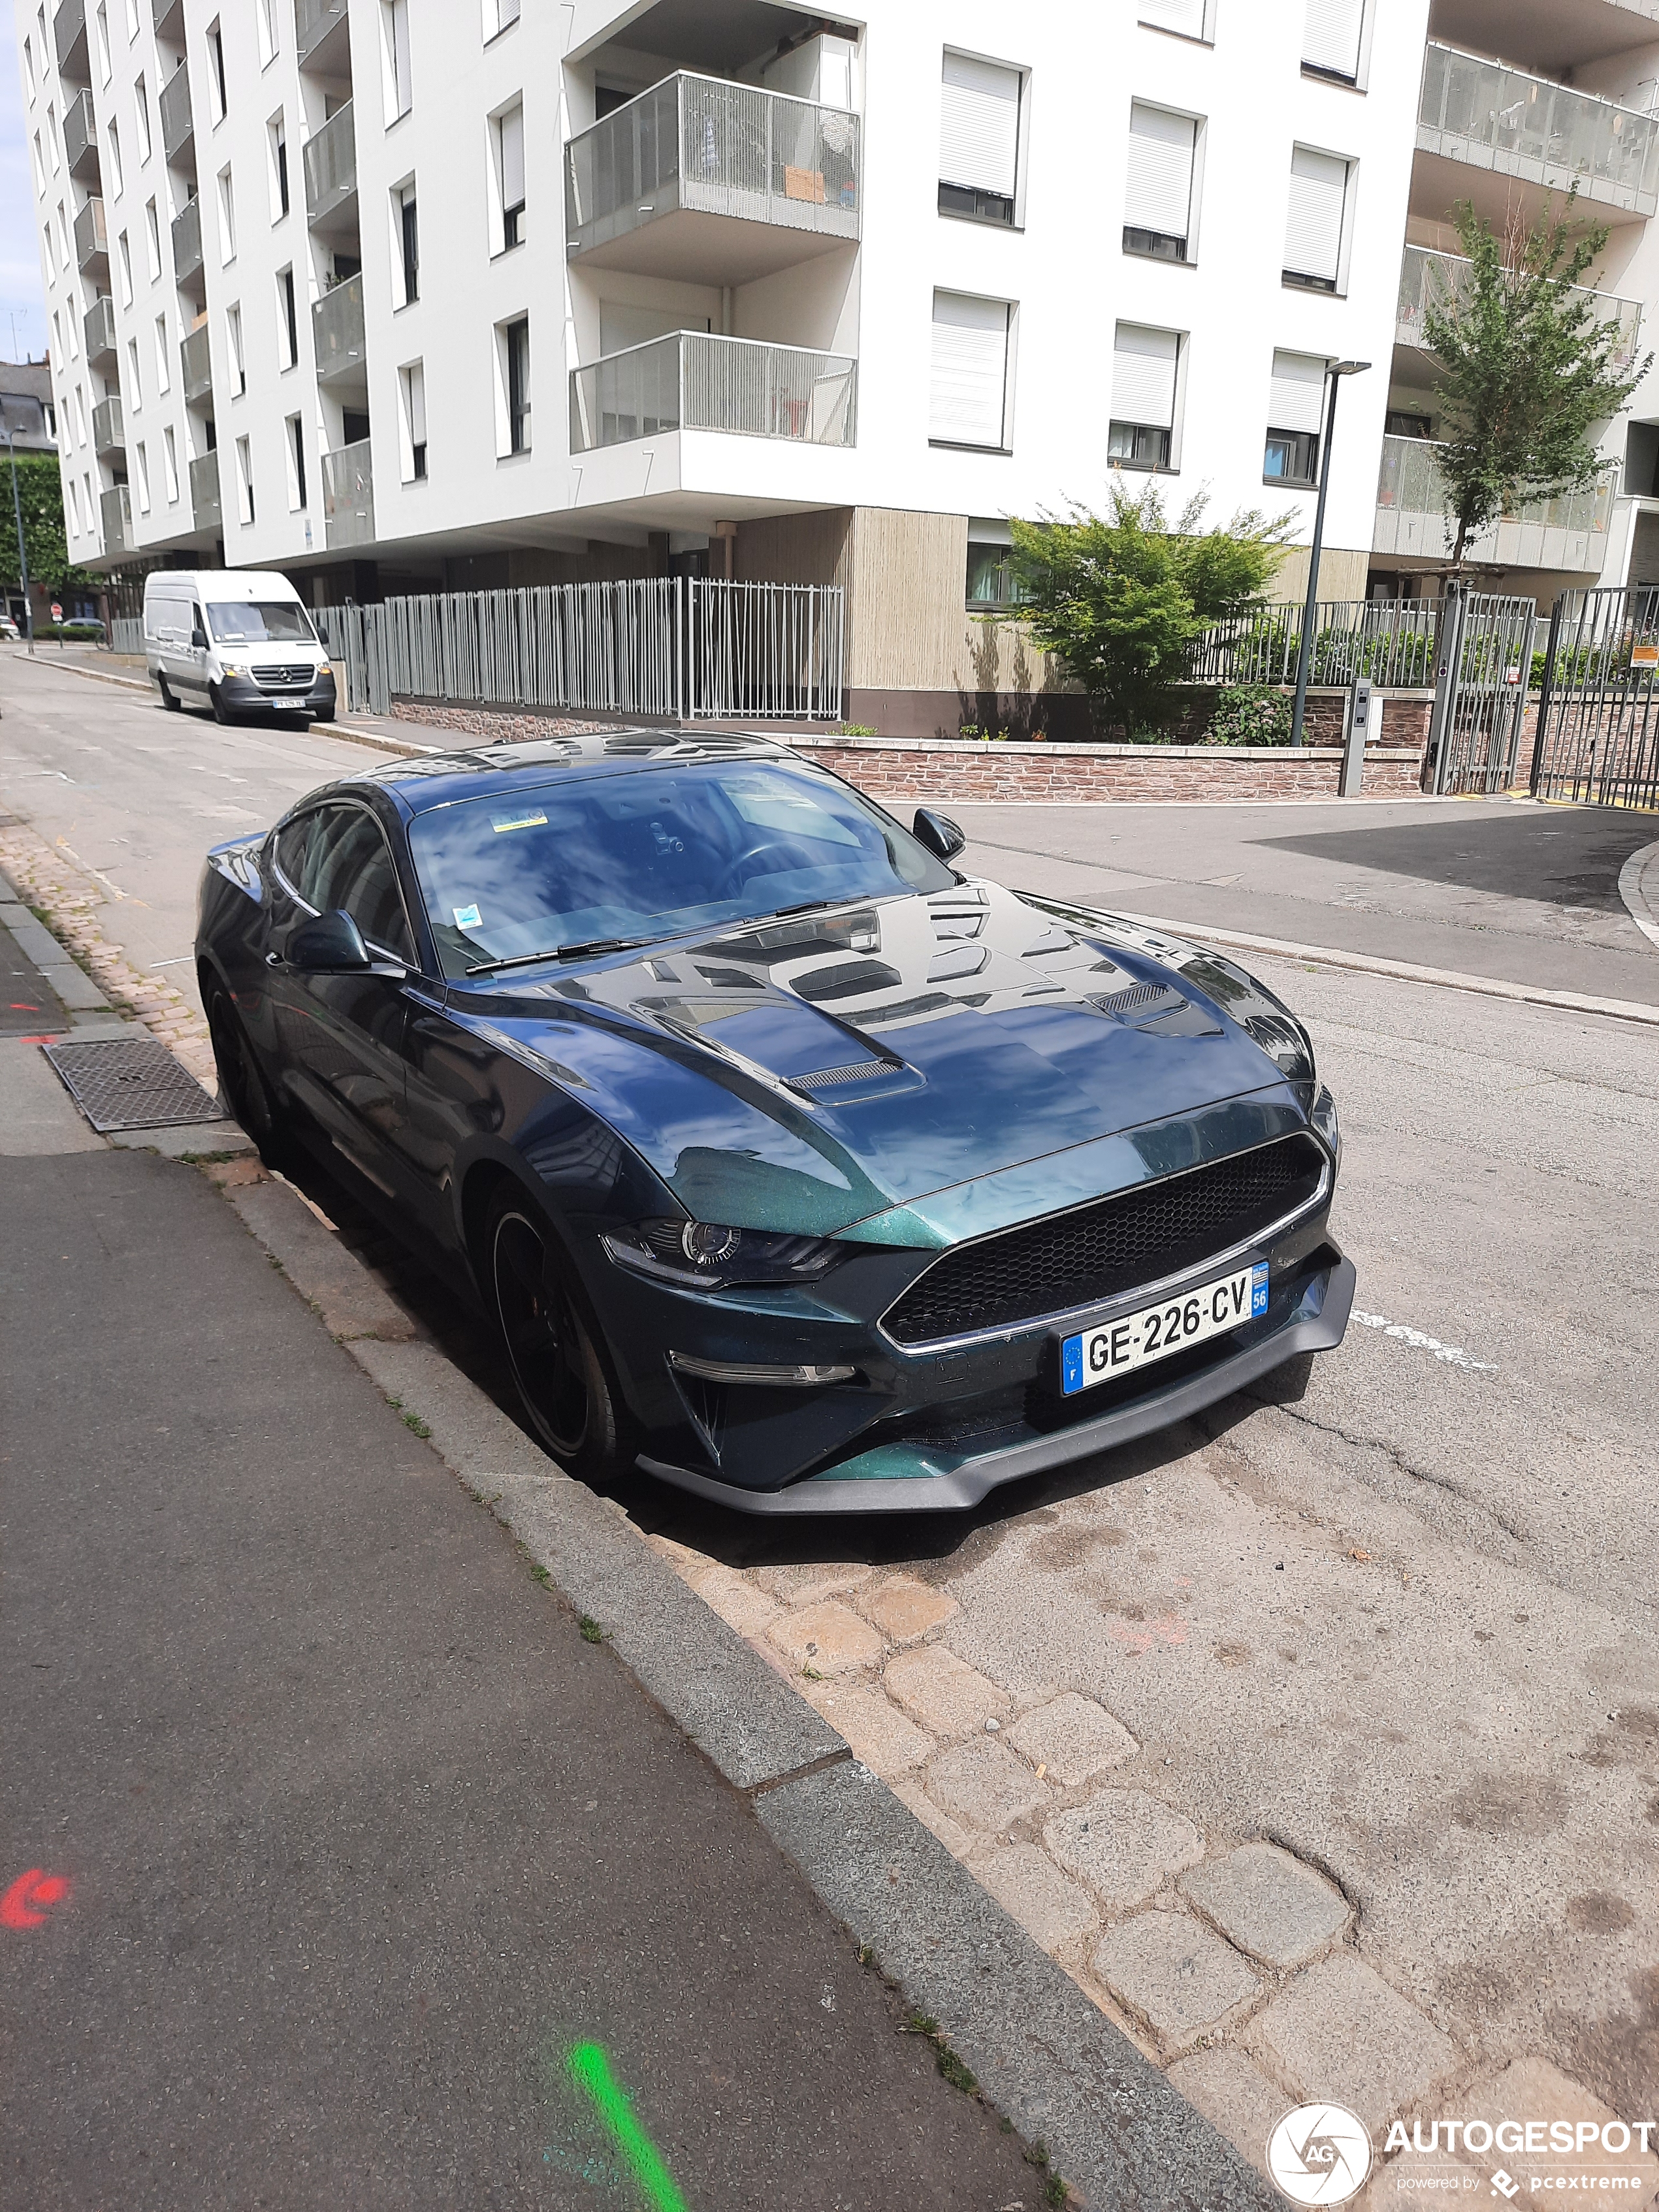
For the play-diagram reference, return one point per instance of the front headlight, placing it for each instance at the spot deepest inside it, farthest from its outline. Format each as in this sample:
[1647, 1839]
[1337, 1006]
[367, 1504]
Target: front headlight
[237, 668]
[710, 1255]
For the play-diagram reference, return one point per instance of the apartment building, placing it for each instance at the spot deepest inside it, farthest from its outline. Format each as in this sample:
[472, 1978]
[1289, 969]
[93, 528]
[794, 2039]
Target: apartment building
[401, 295]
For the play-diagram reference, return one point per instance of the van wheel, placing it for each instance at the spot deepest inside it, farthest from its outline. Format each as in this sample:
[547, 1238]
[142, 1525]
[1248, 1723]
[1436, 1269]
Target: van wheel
[169, 699]
[221, 712]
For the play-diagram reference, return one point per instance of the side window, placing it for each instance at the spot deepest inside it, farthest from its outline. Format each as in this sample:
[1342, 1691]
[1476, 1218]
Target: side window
[291, 844]
[357, 876]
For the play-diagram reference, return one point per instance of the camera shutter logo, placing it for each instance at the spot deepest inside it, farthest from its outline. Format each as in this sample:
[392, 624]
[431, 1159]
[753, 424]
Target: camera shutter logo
[1320, 2154]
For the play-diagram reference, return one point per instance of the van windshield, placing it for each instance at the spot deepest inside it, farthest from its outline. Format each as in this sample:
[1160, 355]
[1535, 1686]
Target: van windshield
[250, 622]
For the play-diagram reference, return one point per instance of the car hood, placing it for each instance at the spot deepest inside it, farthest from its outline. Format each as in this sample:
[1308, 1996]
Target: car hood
[853, 1067]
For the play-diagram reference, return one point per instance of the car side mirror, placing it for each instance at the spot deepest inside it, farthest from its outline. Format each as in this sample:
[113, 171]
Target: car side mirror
[332, 944]
[938, 833]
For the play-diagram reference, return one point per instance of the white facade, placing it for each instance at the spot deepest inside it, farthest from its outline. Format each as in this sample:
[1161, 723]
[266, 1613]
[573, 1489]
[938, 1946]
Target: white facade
[864, 344]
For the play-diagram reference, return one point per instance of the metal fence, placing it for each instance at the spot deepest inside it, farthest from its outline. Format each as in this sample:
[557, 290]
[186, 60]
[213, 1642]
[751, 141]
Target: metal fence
[1597, 739]
[1482, 664]
[126, 635]
[1389, 640]
[669, 648]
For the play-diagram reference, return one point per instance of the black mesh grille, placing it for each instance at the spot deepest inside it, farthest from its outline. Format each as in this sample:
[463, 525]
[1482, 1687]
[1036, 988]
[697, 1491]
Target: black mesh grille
[1080, 1258]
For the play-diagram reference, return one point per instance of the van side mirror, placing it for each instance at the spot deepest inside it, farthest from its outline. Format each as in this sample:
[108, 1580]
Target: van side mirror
[199, 637]
[332, 944]
[938, 833]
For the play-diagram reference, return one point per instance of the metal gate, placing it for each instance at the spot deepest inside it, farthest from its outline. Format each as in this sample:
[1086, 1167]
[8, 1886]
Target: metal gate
[1598, 715]
[1483, 658]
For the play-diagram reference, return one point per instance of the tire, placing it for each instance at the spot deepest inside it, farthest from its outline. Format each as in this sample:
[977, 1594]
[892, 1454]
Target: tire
[563, 1382]
[169, 699]
[221, 712]
[242, 1082]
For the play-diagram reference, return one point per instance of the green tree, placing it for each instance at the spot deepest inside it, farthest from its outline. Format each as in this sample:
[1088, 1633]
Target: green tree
[1526, 365]
[1121, 598]
[39, 491]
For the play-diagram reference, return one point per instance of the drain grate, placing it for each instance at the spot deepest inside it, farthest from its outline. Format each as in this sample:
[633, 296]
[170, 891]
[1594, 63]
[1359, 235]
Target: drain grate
[119, 1084]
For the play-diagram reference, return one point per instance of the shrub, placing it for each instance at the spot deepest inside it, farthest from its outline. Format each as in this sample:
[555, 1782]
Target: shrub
[1250, 714]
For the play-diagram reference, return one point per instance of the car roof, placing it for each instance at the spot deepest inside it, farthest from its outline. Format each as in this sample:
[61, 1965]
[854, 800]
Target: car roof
[431, 780]
[225, 584]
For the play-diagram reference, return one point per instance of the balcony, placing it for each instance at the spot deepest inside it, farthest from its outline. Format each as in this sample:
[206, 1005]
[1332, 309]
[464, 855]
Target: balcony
[1568, 533]
[117, 511]
[69, 39]
[337, 332]
[177, 122]
[107, 435]
[1428, 278]
[349, 495]
[1481, 115]
[91, 239]
[168, 16]
[196, 365]
[81, 139]
[320, 37]
[99, 326]
[187, 243]
[205, 500]
[713, 182]
[693, 381]
[330, 163]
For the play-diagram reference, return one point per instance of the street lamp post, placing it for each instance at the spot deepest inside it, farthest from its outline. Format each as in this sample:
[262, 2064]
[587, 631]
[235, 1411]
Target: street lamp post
[1333, 375]
[22, 551]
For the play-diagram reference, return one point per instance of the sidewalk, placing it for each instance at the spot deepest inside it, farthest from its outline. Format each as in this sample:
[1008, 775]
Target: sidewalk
[360, 1834]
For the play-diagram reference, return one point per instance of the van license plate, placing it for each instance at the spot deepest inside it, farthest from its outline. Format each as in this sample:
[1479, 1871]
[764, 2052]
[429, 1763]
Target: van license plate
[1098, 1355]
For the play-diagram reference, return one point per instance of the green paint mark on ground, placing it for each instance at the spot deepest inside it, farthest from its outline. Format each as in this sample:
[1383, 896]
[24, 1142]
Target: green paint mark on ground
[590, 2069]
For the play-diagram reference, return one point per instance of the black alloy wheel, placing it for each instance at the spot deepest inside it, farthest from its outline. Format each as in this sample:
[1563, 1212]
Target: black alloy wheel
[242, 1081]
[556, 1363]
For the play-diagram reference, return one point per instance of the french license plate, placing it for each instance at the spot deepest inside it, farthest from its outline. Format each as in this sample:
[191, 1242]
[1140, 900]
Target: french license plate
[1099, 1355]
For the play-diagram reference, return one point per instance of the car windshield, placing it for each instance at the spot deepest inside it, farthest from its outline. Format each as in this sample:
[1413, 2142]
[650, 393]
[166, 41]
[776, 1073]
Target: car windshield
[537, 870]
[256, 622]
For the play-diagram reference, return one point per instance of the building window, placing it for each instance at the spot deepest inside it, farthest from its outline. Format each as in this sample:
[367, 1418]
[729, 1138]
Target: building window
[52, 136]
[979, 139]
[170, 461]
[227, 217]
[163, 355]
[244, 480]
[515, 356]
[100, 40]
[134, 390]
[294, 446]
[968, 392]
[411, 383]
[1331, 39]
[508, 132]
[141, 467]
[1314, 225]
[1296, 418]
[991, 579]
[153, 240]
[124, 268]
[29, 67]
[1399, 424]
[215, 46]
[276, 131]
[287, 316]
[1157, 206]
[1144, 363]
[394, 29]
[113, 147]
[267, 22]
[233, 348]
[1191, 18]
[141, 109]
[498, 15]
[408, 244]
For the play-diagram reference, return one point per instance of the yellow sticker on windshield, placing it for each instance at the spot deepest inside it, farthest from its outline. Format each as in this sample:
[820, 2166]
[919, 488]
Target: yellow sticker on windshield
[520, 820]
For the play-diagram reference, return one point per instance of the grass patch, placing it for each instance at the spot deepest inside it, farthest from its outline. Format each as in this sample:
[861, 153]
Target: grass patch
[957, 2075]
[591, 1632]
[414, 1421]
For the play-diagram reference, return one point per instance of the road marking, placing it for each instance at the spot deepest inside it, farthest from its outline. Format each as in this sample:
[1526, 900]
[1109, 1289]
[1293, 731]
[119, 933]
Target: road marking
[1450, 1353]
[590, 2069]
[18, 1907]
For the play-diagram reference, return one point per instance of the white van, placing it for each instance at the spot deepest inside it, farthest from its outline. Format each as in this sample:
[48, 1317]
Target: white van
[238, 640]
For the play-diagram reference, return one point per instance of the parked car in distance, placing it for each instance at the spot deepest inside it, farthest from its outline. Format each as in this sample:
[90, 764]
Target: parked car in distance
[8, 628]
[795, 1167]
[239, 640]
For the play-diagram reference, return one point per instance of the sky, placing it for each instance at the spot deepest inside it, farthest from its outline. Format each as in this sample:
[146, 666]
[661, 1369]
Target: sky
[22, 304]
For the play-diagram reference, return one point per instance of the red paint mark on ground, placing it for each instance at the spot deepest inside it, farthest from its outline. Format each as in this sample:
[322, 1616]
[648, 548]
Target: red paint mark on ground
[1139, 1636]
[23, 1006]
[30, 1890]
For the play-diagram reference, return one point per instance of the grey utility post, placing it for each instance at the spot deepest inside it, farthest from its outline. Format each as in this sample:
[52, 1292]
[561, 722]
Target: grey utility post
[1359, 729]
[22, 550]
[1333, 375]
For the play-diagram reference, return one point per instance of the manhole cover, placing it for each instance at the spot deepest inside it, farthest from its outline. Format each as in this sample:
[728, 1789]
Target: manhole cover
[119, 1084]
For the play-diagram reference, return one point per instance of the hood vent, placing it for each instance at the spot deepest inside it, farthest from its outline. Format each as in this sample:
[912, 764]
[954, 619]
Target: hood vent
[842, 1078]
[1139, 1000]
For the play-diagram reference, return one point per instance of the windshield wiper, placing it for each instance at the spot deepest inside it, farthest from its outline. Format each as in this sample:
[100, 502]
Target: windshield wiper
[806, 906]
[594, 945]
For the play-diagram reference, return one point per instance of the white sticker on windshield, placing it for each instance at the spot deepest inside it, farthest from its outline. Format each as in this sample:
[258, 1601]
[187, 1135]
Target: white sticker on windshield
[467, 917]
[521, 820]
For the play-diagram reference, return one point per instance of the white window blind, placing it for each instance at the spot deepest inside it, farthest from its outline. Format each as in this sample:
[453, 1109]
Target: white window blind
[970, 369]
[979, 137]
[1330, 40]
[1144, 376]
[1160, 191]
[512, 130]
[415, 386]
[1296, 397]
[1186, 15]
[1313, 232]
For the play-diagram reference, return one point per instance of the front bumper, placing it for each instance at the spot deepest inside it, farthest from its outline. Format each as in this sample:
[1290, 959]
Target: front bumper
[242, 696]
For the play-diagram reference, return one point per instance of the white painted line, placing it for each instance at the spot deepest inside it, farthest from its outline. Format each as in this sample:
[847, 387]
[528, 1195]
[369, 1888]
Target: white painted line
[1449, 1353]
[1638, 887]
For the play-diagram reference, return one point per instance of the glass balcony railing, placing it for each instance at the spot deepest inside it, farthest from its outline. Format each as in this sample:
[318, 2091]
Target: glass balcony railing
[702, 143]
[116, 509]
[206, 505]
[81, 139]
[187, 242]
[336, 330]
[168, 16]
[107, 435]
[692, 381]
[1568, 532]
[1491, 117]
[69, 39]
[177, 119]
[91, 239]
[99, 326]
[331, 164]
[196, 365]
[313, 21]
[349, 495]
[1428, 278]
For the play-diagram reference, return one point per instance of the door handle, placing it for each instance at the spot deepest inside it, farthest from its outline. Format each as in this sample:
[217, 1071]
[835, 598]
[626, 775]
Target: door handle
[275, 960]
